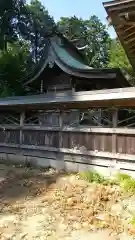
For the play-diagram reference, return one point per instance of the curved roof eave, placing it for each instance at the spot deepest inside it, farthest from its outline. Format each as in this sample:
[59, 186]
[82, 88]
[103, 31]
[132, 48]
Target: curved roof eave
[66, 57]
[92, 73]
[69, 62]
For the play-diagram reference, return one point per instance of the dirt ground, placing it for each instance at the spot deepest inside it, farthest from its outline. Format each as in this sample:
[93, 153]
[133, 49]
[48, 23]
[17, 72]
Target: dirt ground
[51, 205]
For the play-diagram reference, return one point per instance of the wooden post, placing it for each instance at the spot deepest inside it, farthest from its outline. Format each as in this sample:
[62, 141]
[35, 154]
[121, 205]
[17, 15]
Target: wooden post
[114, 135]
[60, 120]
[114, 139]
[22, 117]
[42, 86]
[60, 132]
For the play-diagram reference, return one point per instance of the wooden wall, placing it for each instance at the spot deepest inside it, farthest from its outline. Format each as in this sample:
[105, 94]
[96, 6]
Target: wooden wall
[90, 139]
[71, 147]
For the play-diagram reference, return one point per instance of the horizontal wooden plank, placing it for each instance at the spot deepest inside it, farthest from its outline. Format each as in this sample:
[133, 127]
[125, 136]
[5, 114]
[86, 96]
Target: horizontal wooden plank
[88, 160]
[125, 131]
[79, 167]
[82, 151]
[99, 98]
[116, 3]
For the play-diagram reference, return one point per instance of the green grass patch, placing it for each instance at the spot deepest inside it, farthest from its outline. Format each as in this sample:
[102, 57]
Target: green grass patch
[92, 177]
[126, 182]
[132, 222]
[128, 186]
[120, 177]
[95, 177]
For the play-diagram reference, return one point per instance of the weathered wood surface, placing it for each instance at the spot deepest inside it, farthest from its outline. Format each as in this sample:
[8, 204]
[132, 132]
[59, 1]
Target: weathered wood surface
[55, 131]
[79, 100]
[94, 141]
[10, 136]
[83, 129]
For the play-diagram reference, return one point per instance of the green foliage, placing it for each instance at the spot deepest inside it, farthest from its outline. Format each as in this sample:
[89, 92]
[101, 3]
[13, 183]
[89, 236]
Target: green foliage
[118, 59]
[40, 17]
[12, 68]
[23, 32]
[23, 28]
[40, 25]
[129, 186]
[10, 12]
[91, 177]
[91, 33]
[117, 56]
[94, 177]
[120, 177]
[126, 182]
[133, 221]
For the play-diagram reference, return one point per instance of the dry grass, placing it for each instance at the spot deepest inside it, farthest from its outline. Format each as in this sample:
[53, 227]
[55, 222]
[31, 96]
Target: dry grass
[67, 200]
[89, 205]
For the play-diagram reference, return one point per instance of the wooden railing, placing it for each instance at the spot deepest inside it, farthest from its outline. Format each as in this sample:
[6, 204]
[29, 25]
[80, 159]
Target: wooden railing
[80, 139]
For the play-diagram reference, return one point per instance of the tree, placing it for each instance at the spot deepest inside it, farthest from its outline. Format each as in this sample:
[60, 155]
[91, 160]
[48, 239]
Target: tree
[23, 30]
[118, 59]
[13, 69]
[91, 33]
[74, 29]
[41, 24]
[9, 15]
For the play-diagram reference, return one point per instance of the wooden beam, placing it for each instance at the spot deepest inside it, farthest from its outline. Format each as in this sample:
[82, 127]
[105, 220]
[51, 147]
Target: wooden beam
[121, 7]
[101, 154]
[132, 49]
[116, 21]
[81, 129]
[116, 3]
[41, 86]
[129, 40]
[114, 135]
[124, 97]
[129, 35]
[123, 29]
[60, 129]
[22, 117]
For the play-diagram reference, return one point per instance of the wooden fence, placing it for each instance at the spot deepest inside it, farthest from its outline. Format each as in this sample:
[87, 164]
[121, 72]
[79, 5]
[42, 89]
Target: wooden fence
[51, 139]
[87, 137]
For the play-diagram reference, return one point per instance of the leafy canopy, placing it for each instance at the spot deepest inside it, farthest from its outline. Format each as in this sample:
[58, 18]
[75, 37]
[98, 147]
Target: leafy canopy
[91, 33]
[23, 32]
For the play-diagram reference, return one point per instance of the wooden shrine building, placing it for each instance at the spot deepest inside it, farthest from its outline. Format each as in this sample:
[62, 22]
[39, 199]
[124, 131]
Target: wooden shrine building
[64, 68]
[51, 130]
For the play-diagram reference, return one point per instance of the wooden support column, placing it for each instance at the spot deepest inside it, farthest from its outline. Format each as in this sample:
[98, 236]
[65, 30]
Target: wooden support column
[42, 86]
[60, 120]
[114, 125]
[60, 132]
[114, 140]
[22, 117]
